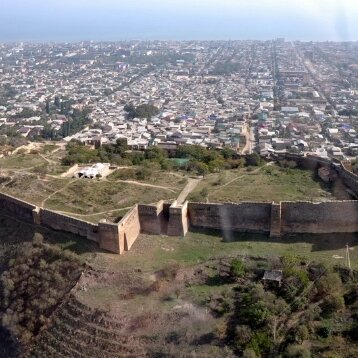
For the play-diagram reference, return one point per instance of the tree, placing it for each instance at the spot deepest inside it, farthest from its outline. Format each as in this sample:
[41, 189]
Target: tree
[220, 100]
[57, 102]
[122, 145]
[253, 159]
[328, 284]
[47, 106]
[228, 153]
[331, 304]
[141, 111]
[199, 167]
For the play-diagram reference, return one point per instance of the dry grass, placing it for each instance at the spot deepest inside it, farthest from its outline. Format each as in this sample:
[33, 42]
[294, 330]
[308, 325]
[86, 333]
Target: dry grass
[269, 183]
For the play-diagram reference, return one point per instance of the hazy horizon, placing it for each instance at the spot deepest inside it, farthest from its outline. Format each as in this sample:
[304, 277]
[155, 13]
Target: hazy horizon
[84, 20]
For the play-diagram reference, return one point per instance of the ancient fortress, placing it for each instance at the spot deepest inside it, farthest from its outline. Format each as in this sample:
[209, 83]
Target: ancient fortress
[274, 219]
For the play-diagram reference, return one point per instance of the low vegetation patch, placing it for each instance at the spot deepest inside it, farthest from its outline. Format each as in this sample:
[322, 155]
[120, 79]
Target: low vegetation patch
[33, 283]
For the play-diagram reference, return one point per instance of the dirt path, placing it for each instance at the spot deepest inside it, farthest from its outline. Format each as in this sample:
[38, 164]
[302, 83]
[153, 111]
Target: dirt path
[57, 191]
[50, 161]
[26, 147]
[70, 171]
[192, 183]
[250, 139]
[239, 177]
[145, 184]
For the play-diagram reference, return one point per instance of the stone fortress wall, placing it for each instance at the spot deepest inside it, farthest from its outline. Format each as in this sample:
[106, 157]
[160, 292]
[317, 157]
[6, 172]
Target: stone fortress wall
[275, 219]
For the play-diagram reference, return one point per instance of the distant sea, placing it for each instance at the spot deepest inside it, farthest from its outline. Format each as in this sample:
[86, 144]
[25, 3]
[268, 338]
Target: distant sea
[40, 26]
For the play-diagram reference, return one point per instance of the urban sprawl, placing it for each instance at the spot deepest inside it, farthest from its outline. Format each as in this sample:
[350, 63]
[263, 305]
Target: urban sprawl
[268, 96]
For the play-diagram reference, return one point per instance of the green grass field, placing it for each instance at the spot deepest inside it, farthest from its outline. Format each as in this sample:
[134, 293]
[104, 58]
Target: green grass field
[268, 183]
[21, 161]
[153, 252]
[170, 180]
[91, 197]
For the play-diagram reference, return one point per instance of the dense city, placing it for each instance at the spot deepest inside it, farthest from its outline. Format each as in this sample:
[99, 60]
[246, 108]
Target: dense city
[268, 96]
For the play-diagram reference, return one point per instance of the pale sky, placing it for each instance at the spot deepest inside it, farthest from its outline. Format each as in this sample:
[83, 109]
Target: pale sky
[73, 20]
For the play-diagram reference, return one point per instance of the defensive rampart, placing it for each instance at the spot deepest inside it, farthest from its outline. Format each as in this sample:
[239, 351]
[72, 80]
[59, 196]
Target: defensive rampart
[70, 224]
[114, 237]
[276, 219]
[19, 208]
[318, 218]
[246, 216]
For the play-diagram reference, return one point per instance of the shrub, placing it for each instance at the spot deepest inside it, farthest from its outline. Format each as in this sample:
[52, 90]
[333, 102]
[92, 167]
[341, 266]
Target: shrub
[256, 314]
[331, 304]
[237, 268]
[323, 331]
[221, 179]
[243, 335]
[169, 271]
[35, 281]
[260, 343]
[301, 334]
[297, 351]
[330, 283]
[204, 192]
[220, 304]
[291, 164]
[353, 332]
[249, 353]
[143, 173]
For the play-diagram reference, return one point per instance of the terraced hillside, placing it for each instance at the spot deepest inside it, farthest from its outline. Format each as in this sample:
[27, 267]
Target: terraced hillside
[79, 331]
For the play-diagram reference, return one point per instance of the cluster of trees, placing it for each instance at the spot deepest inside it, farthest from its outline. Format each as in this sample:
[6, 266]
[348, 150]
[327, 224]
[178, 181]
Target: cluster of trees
[204, 160]
[76, 122]
[62, 105]
[200, 160]
[9, 136]
[27, 113]
[33, 284]
[78, 152]
[311, 297]
[6, 92]
[226, 68]
[141, 111]
[348, 112]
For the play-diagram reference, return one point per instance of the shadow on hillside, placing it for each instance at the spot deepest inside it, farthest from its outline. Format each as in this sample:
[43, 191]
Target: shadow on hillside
[336, 188]
[319, 242]
[14, 232]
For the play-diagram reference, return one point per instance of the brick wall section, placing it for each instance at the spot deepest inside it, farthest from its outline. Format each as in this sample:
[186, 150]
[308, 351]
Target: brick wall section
[19, 208]
[275, 221]
[129, 229]
[58, 221]
[162, 218]
[178, 219]
[246, 216]
[316, 218]
[151, 217]
[109, 237]
[349, 179]
[307, 162]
